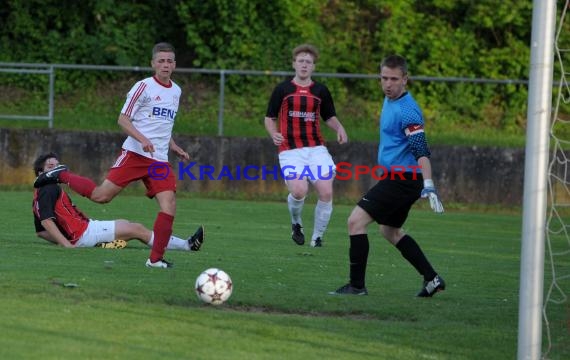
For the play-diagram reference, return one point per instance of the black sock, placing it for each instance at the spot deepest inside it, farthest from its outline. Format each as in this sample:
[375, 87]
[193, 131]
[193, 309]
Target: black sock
[411, 251]
[358, 254]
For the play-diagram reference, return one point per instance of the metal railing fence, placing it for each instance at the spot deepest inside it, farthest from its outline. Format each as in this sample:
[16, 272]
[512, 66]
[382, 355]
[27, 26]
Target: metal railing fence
[38, 69]
[49, 69]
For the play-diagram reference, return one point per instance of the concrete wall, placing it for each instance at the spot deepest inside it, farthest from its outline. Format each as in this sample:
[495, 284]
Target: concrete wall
[462, 174]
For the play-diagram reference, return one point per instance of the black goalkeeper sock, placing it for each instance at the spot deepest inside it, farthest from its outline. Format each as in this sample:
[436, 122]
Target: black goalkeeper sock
[358, 254]
[412, 252]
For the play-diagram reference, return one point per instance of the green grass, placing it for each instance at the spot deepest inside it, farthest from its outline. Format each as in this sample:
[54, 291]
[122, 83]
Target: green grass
[280, 308]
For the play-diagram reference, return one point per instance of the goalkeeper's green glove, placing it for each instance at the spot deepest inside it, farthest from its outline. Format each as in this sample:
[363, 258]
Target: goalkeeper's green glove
[430, 193]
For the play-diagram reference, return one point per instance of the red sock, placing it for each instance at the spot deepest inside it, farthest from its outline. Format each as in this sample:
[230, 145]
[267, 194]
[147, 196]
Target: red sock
[162, 231]
[81, 185]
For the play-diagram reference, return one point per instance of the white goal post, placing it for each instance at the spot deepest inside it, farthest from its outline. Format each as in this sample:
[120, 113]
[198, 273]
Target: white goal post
[535, 180]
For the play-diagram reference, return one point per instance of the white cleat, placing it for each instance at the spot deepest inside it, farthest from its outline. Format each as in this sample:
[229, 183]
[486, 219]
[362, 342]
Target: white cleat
[161, 264]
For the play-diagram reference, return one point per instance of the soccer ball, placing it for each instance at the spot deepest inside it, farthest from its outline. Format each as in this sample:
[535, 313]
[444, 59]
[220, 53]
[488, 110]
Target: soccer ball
[213, 286]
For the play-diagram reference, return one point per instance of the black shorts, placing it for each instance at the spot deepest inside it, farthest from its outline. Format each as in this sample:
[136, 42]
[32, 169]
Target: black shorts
[389, 201]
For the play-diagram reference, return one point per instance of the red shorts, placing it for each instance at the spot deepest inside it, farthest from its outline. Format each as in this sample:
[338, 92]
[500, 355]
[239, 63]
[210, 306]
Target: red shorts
[157, 176]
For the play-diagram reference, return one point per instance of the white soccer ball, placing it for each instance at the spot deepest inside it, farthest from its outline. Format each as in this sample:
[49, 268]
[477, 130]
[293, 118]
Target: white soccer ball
[213, 286]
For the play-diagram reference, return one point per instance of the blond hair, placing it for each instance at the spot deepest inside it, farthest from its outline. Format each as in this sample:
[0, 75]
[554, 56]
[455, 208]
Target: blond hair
[306, 48]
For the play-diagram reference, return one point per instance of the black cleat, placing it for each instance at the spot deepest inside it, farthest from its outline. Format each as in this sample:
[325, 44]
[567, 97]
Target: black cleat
[318, 242]
[431, 287]
[349, 290]
[297, 234]
[195, 241]
[49, 177]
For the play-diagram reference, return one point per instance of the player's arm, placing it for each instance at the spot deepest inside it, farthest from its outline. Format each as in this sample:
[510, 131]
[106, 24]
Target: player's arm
[273, 108]
[420, 150]
[328, 113]
[335, 124]
[425, 164]
[429, 191]
[41, 232]
[44, 234]
[127, 125]
[271, 127]
[55, 233]
[183, 155]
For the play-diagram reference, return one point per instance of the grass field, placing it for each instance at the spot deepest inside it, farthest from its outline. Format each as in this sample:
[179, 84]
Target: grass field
[60, 303]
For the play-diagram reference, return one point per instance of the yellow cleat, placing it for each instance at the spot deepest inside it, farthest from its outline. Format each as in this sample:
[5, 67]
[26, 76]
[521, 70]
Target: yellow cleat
[115, 244]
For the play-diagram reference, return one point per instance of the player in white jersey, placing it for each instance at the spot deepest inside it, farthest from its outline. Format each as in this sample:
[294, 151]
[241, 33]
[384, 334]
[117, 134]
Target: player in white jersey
[150, 107]
[147, 118]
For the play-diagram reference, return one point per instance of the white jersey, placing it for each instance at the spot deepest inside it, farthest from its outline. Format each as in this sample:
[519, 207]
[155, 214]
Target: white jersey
[152, 107]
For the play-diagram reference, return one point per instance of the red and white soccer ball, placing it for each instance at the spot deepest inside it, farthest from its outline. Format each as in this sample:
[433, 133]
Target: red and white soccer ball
[214, 286]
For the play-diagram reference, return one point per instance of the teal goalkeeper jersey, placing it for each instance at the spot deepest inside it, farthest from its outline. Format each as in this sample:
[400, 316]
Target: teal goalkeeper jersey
[398, 118]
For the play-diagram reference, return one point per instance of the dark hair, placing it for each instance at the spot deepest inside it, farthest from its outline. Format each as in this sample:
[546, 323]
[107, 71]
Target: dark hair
[395, 62]
[162, 47]
[41, 161]
[306, 48]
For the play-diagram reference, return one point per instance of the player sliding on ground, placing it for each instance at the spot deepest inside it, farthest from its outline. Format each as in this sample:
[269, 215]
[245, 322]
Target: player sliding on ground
[59, 221]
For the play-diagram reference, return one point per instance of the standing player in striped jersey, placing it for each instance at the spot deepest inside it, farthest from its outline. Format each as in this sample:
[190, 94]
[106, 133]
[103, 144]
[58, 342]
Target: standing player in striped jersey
[402, 144]
[147, 118]
[297, 105]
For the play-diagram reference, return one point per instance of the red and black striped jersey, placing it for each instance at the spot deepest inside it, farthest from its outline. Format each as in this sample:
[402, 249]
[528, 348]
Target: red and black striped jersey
[51, 202]
[298, 109]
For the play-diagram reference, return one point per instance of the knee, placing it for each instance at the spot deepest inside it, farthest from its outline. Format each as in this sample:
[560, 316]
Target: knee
[130, 230]
[100, 198]
[392, 235]
[298, 193]
[354, 225]
[141, 232]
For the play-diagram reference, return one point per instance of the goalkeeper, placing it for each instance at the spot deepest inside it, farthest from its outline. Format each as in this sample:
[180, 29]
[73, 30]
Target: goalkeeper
[402, 144]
